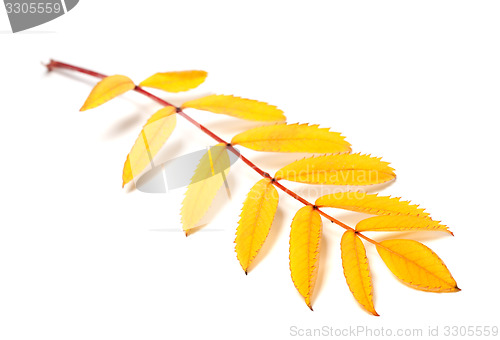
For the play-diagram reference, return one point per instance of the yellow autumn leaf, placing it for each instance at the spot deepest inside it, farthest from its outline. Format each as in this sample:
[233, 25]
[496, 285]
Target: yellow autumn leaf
[356, 270]
[400, 223]
[107, 89]
[175, 81]
[152, 137]
[305, 238]
[208, 177]
[416, 265]
[342, 169]
[255, 222]
[237, 107]
[370, 204]
[292, 138]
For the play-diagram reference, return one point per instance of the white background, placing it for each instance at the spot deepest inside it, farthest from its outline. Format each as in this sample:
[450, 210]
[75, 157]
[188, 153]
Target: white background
[80, 258]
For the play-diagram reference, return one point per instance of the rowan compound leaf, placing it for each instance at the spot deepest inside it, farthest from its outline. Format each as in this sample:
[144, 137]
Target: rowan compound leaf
[256, 219]
[305, 238]
[356, 270]
[400, 223]
[370, 204]
[153, 136]
[237, 107]
[208, 177]
[175, 81]
[107, 89]
[416, 265]
[292, 138]
[342, 169]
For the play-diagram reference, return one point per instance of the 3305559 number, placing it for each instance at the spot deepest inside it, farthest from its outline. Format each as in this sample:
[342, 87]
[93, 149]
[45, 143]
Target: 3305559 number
[470, 331]
[33, 8]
